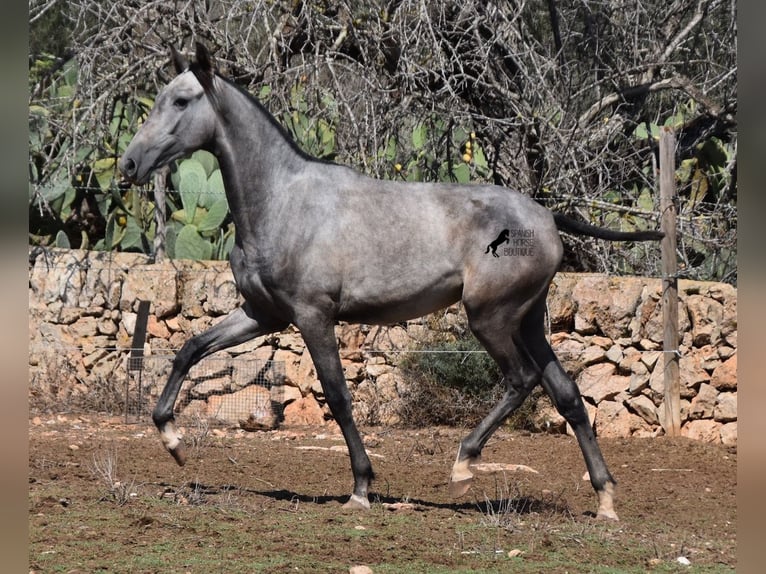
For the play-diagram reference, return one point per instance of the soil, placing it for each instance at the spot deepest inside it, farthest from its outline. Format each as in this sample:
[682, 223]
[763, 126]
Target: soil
[105, 497]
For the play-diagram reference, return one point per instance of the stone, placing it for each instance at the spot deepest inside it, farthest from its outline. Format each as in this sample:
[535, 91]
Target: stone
[155, 283]
[157, 328]
[614, 354]
[613, 420]
[630, 355]
[84, 328]
[593, 354]
[644, 407]
[706, 316]
[595, 382]
[650, 358]
[561, 306]
[724, 377]
[238, 406]
[106, 326]
[376, 370]
[705, 430]
[546, 418]
[568, 350]
[262, 418]
[726, 408]
[291, 342]
[605, 304]
[303, 412]
[225, 296]
[352, 370]
[291, 363]
[692, 375]
[307, 376]
[729, 434]
[703, 404]
[639, 378]
[603, 342]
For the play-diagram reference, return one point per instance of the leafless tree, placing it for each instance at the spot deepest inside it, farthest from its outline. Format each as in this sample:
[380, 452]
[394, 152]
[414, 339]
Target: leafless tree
[563, 95]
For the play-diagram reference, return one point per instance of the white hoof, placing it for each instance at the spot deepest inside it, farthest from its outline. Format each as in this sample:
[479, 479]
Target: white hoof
[606, 503]
[462, 475]
[173, 442]
[357, 503]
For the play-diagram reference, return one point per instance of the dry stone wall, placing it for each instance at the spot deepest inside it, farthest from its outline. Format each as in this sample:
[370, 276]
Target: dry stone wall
[607, 331]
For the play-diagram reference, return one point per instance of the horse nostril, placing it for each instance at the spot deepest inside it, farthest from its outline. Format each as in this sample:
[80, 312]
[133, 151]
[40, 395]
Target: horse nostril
[128, 166]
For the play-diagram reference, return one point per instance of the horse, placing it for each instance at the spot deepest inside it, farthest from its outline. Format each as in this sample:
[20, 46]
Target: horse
[318, 243]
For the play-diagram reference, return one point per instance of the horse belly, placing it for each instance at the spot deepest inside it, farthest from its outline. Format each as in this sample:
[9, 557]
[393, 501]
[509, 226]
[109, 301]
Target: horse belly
[392, 299]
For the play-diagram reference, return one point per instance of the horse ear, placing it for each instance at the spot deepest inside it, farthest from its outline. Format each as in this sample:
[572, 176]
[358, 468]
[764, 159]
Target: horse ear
[203, 59]
[180, 63]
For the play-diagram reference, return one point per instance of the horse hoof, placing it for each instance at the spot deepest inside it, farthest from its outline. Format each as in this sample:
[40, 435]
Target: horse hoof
[458, 488]
[179, 453]
[610, 515]
[357, 503]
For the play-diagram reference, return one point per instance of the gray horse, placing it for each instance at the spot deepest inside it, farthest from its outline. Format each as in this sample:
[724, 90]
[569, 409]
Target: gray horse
[317, 243]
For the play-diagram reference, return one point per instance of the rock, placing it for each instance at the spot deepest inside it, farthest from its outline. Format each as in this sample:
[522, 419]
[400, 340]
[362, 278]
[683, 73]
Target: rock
[303, 412]
[644, 407]
[704, 430]
[726, 408]
[598, 382]
[630, 355]
[307, 376]
[546, 418]
[692, 375]
[291, 363]
[606, 305]
[650, 358]
[238, 406]
[703, 404]
[613, 420]
[614, 354]
[706, 317]
[260, 419]
[561, 306]
[568, 350]
[639, 378]
[225, 296]
[729, 434]
[724, 377]
[157, 328]
[155, 283]
[360, 570]
[353, 370]
[592, 355]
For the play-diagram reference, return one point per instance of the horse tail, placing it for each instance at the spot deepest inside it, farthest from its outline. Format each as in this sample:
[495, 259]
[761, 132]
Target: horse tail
[565, 223]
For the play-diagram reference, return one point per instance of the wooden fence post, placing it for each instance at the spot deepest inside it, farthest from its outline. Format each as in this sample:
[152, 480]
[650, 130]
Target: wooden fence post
[669, 283]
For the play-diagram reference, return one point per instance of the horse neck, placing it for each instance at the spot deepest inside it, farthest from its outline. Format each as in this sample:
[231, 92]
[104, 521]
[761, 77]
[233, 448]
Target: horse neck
[254, 154]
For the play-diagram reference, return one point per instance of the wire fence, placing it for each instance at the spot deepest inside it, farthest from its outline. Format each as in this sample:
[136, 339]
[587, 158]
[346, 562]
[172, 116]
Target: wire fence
[221, 390]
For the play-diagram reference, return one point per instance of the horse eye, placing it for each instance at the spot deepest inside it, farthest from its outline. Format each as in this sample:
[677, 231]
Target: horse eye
[181, 103]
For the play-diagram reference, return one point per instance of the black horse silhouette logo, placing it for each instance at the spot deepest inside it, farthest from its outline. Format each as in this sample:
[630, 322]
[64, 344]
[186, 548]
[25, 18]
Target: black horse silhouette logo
[502, 238]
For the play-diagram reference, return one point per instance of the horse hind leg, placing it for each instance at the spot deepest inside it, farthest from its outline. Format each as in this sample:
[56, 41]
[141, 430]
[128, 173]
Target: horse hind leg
[566, 397]
[520, 375]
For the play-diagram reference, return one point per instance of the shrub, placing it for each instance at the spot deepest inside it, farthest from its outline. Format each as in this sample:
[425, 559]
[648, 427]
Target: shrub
[456, 383]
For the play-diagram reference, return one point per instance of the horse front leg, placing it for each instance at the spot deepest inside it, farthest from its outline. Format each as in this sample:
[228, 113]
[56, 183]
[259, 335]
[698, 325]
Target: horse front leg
[239, 326]
[319, 336]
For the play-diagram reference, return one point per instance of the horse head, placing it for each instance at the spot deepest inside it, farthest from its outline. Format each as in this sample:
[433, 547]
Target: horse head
[182, 120]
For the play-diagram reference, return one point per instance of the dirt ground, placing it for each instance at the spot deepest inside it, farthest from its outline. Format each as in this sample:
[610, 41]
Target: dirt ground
[105, 497]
